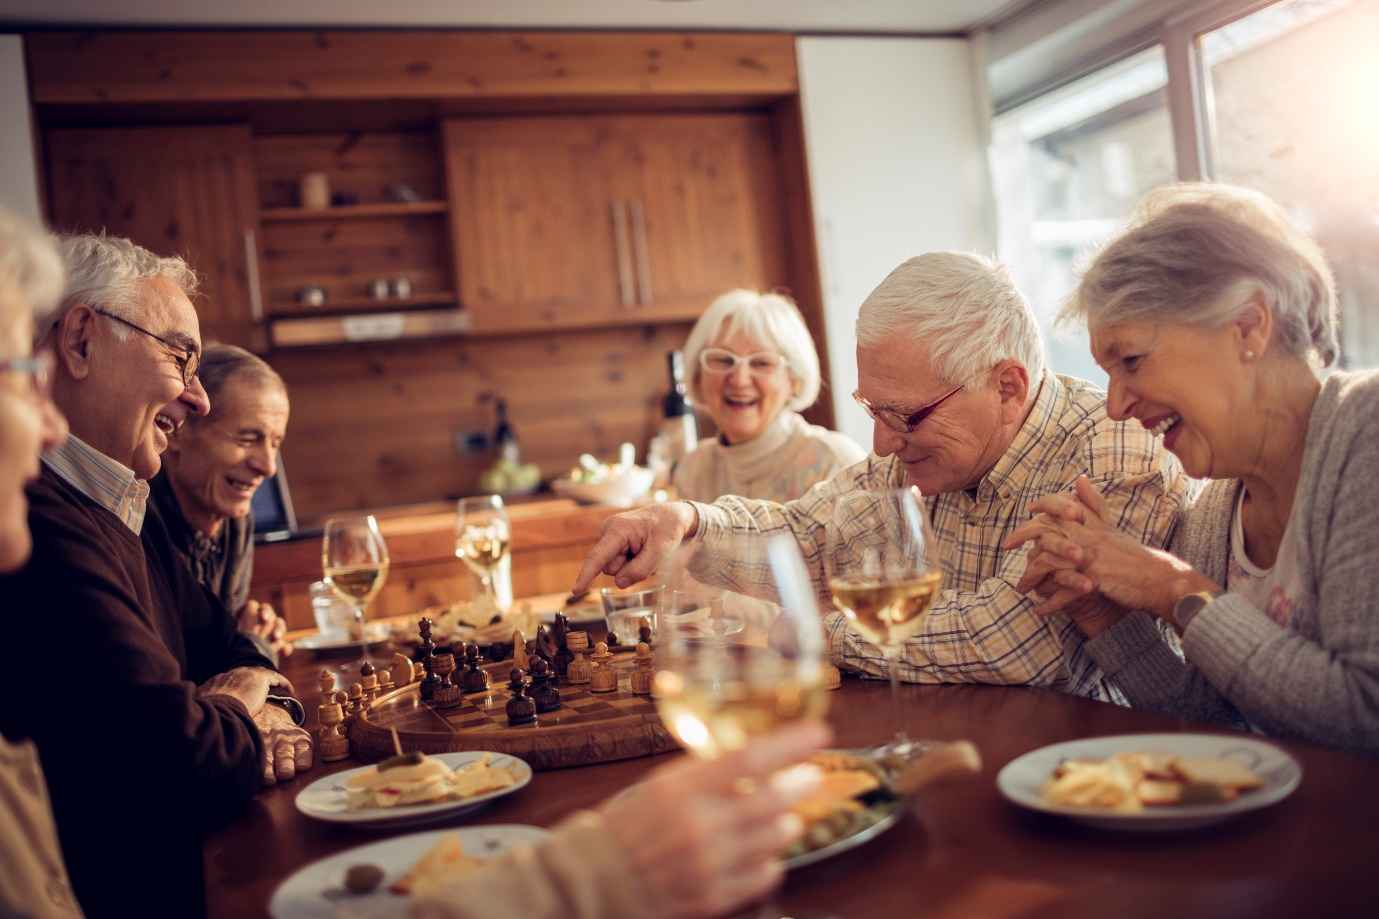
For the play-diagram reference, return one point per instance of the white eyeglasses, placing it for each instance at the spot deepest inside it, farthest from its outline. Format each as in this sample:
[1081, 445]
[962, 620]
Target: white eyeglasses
[721, 361]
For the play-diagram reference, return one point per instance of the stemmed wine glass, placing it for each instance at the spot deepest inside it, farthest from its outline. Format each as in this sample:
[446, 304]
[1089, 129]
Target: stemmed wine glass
[715, 693]
[883, 576]
[355, 560]
[482, 539]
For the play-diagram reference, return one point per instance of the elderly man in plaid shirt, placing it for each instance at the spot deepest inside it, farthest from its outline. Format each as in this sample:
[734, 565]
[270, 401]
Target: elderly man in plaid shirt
[951, 369]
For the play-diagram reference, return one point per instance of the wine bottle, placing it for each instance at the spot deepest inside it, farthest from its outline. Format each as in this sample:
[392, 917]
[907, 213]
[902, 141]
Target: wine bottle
[505, 438]
[678, 424]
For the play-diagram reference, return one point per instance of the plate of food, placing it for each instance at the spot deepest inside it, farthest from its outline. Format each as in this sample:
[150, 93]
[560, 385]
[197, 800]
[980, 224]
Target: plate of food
[1149, 782]
[378, 880]
[413, 788]
[374, 632]
[854, 803]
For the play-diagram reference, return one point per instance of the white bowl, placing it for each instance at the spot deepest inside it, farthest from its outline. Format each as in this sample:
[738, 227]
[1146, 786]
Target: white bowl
[621, 491]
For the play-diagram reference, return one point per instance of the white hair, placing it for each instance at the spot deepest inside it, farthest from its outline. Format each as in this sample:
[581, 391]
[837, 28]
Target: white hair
[108, 271]
[1195, 253]
[963, 307]
[771, 319]
[30, 266]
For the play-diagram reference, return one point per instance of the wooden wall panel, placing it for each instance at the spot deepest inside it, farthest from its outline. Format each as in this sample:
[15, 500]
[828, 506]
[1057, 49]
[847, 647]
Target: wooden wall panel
[119, 67]
[364, 164]
[375, 425]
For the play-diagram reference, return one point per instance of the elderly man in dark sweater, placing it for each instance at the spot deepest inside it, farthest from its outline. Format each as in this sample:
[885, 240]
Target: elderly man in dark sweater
[155, 719]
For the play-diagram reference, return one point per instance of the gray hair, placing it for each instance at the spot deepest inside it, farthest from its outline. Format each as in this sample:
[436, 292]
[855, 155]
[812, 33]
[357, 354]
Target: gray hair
[221, 362]
[1196, 253]
[773, 320]
[964, 308]
[30, 266]
[107, 271]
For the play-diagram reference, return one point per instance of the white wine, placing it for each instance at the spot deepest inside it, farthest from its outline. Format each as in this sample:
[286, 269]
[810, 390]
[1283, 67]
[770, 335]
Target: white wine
[357, 583]
[886, 612]
[713, 719]
[481, 549]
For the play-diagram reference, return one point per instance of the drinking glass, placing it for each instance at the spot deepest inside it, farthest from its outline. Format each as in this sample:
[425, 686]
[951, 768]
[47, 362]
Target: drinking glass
[482, 539]
[715, 693]
[355, 560]
[883, 576]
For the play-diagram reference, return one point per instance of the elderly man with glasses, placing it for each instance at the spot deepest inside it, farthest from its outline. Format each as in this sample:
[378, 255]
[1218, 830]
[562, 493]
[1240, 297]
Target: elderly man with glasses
[951, 369]
[149, 708]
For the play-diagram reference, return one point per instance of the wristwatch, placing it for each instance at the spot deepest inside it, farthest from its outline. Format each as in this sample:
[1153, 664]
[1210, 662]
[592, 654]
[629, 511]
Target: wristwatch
[291, 706]
[1188, 607]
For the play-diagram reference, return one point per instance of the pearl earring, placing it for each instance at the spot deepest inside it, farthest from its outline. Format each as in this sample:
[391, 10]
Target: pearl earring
[1249, 355]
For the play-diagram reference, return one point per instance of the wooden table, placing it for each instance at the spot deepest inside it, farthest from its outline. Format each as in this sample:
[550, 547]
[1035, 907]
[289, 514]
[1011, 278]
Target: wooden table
[962, 851]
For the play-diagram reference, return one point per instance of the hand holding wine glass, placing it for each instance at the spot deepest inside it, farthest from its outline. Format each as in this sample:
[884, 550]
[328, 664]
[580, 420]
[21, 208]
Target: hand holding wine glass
[881, 575]
[482, 538]
[355, 560]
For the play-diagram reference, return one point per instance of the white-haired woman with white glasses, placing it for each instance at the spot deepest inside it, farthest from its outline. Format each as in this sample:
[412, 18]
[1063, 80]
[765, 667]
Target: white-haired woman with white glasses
[754, 369]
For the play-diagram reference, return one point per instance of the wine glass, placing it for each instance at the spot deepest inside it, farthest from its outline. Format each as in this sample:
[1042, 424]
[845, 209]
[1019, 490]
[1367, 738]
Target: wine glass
[883, 576]
[713, 692]
[355, 560]
[482, 539]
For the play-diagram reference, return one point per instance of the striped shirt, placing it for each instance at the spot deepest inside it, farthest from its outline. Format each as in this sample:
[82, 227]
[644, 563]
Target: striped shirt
[980, 629]
[110, 484]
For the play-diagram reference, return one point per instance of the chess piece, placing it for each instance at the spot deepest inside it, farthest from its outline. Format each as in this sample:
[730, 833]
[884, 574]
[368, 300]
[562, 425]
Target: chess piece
[645, 673]
[644, 634]
[447, 694]
[428, 649]
[368, 681]
[546, 648]
[543, 691]
[579, 671]
[331, 743]
[327, 683]
[604, 677]
[401, 670]
[563, 654]
[521, 709]
[356, 700]
[475, 680]
[519, 651]
[385, 681]
[418, 671]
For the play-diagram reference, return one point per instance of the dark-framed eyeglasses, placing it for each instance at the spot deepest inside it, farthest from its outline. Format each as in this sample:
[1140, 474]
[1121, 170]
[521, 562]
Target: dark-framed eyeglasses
[901, 424]
[721, 361]
[37, 367]
[188, 360]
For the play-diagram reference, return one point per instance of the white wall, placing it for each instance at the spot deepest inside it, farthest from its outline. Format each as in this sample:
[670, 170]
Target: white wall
[896, 140]
[18, 170]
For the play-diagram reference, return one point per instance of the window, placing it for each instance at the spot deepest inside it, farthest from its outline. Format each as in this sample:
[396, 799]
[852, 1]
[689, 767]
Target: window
[1066, 167]
[1293, 96]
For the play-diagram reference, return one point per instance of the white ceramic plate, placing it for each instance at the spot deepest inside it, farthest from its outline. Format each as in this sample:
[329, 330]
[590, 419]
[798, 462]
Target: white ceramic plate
[375, 632]
[325, 798]
[317, 891]
[1023, 778]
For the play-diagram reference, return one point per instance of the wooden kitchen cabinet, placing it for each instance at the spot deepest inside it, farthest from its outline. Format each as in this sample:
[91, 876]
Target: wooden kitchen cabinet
[564, 221]
[185, 191]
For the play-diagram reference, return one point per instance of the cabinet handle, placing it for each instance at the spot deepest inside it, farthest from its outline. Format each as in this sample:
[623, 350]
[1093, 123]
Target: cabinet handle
[251, 260]
[624, 264]
[639, 246]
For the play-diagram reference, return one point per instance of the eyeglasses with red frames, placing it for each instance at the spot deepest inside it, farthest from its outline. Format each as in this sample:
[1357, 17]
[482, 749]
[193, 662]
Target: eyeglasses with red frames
[901, 424]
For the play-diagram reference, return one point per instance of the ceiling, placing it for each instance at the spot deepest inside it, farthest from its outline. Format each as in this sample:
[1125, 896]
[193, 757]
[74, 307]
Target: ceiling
[908, 17]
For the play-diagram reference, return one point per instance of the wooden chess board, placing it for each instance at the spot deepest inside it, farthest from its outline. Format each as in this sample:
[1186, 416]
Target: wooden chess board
[589, 728]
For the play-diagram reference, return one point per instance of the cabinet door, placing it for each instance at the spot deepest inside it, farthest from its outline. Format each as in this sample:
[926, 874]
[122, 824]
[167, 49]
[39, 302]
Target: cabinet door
[185, 191]
[704, 208]
[609, 220]
[532, 222]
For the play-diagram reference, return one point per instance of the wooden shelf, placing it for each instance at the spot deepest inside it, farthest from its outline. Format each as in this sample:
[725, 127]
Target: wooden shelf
[382, 326]
[364, 304]
[349, 211]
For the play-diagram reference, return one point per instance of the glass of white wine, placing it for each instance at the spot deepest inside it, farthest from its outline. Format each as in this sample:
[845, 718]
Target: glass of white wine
[883, 576]
[355, 560]
[716, 692]
[483, 539]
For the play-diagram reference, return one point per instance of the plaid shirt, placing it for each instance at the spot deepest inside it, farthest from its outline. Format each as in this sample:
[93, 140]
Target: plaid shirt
[980, 629]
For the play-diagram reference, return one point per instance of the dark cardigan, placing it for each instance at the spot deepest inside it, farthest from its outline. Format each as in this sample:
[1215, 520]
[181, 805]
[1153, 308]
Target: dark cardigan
[108, 636]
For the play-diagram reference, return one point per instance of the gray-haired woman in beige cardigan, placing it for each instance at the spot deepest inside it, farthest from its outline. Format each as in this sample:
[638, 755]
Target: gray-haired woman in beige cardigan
[1210, 313]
